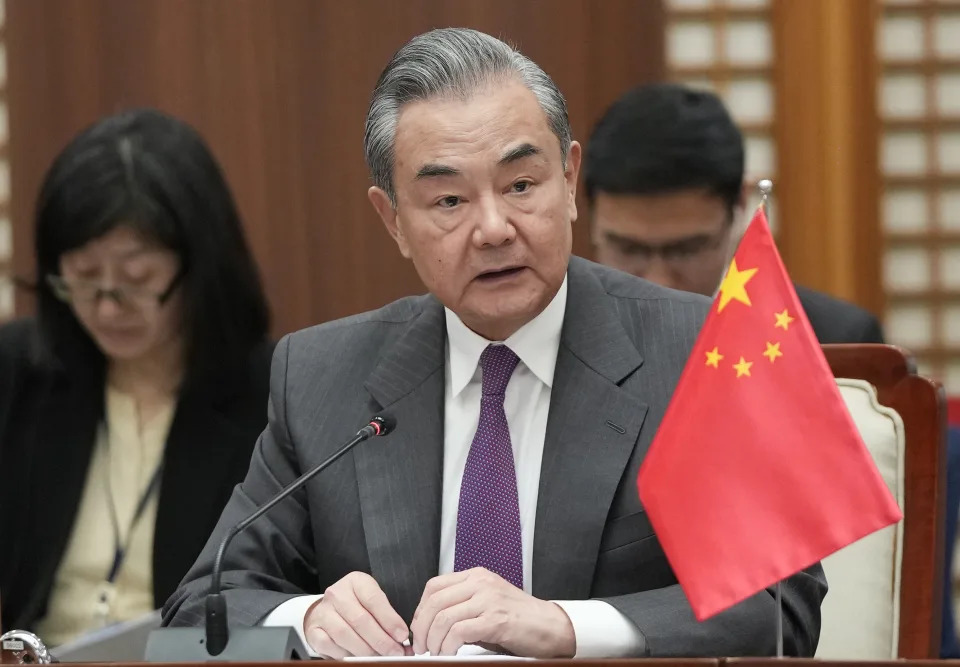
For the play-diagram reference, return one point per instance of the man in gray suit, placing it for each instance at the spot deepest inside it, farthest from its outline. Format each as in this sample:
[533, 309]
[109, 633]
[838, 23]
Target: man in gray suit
[527, 387]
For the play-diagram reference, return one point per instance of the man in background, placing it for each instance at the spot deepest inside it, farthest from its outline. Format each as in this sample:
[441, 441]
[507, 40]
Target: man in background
[664, 174]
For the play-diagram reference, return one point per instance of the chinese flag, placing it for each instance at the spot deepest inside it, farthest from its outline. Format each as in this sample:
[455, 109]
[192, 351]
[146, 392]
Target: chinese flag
[757, 470]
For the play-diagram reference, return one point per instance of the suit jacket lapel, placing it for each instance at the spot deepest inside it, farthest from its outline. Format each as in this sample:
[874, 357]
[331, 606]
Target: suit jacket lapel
[198, 459]
[400, 479]
[64, 447]
[591, 432]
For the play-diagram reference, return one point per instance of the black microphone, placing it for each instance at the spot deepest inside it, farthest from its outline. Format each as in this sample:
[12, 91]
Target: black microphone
[217, 633]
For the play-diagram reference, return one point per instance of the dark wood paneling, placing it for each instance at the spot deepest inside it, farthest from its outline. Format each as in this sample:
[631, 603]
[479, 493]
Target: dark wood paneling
[280, 89]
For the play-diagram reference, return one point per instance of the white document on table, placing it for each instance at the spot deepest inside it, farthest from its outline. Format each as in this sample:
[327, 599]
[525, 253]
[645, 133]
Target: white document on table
[466, 652]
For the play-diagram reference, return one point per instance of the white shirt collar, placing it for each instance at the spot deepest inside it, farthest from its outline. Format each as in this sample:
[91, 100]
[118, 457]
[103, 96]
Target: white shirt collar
[536, 343]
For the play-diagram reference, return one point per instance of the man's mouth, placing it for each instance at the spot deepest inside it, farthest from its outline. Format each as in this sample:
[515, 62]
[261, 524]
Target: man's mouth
[500, 274]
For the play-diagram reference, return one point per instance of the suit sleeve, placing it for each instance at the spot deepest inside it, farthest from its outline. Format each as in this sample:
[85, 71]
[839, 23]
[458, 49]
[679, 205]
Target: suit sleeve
[272, 561]
[868, 331]
[747, 629]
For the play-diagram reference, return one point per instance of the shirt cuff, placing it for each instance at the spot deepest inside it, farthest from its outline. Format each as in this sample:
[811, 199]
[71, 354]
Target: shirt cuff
[293, 613]
[601, 631]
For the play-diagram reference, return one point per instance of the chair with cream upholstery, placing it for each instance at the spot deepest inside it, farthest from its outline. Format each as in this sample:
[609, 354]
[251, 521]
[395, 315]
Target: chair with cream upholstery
[885, 590]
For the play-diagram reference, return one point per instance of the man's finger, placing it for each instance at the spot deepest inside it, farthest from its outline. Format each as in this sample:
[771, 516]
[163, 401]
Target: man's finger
[320, 641]
[445, 619]
[433, 604]
[361, 623]
[345, 637]
[442, 581]
[375, 601]
[469, 631]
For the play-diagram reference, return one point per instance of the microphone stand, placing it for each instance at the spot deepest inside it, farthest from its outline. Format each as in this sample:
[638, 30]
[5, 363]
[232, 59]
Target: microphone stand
[217, 641]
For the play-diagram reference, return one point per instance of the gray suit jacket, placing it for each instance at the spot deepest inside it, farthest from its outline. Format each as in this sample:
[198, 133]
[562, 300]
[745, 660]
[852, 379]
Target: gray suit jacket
[623, 346]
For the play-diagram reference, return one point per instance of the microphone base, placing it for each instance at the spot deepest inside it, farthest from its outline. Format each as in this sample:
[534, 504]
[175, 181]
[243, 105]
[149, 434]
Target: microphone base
[256, 644]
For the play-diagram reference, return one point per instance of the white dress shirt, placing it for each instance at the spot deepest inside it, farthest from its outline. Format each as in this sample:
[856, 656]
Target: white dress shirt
[601, 631]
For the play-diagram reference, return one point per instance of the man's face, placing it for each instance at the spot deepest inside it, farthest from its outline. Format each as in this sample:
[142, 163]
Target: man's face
[682, 239]
[484, 204]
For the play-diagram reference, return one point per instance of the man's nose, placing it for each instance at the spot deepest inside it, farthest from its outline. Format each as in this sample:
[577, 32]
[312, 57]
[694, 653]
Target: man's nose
[656, 270]
[494, 227]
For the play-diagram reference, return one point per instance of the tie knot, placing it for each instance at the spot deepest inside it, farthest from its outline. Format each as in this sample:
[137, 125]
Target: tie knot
[497, 362]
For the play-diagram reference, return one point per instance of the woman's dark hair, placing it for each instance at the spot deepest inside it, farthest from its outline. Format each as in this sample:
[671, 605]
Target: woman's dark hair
[155, 173]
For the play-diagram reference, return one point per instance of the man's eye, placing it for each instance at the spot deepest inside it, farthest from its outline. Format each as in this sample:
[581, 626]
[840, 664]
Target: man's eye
[521, 186]
[683, 251]
[629, 248]
[448, 202]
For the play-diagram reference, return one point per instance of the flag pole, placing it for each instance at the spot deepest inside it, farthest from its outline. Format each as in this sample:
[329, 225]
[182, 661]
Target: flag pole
[766, 186]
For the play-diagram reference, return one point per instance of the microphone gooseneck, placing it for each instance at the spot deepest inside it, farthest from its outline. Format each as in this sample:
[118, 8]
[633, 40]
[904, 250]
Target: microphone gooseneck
[217, 632]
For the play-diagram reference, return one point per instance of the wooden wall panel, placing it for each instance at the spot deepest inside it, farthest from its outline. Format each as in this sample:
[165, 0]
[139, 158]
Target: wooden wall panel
[826, 130]
[280, 90]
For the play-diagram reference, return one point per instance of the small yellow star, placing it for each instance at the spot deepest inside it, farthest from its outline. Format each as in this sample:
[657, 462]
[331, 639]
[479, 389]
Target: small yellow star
[714, 357]
[743, 368]
[734, 286]
[773, 351]
[783, 319]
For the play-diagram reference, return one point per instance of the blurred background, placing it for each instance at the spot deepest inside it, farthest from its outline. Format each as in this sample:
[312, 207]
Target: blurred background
[851, 107]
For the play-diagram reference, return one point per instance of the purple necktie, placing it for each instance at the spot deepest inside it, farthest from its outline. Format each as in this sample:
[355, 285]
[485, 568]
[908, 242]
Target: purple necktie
[488, 518]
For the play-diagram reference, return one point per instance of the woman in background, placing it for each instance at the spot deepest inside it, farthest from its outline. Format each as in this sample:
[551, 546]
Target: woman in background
[130, 407]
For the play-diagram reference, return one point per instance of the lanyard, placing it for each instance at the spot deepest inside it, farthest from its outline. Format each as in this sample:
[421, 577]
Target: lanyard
[120, 550]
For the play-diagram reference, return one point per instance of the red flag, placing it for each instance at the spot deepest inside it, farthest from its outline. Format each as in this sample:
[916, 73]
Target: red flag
[757, 470]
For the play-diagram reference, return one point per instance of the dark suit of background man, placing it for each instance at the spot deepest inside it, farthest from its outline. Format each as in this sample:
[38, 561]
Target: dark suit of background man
[503, 510]
[664, 175]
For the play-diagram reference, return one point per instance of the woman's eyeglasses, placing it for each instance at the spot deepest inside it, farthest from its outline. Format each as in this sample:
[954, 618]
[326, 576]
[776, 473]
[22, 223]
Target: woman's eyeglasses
[78, 291]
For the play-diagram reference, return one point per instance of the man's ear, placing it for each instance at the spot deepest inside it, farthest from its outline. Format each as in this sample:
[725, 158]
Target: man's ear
[740, 216]
[570, 174]
[744, 197]
[388, 213]
[594, 234]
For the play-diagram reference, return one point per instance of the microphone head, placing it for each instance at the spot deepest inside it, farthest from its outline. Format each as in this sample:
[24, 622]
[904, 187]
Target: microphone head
[383, 424]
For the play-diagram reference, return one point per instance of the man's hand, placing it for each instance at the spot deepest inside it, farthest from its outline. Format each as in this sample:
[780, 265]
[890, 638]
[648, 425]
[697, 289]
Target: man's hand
[355, 618]
[479, 607]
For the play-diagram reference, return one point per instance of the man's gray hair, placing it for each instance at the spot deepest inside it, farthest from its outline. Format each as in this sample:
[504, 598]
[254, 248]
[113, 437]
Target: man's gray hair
[449, 62]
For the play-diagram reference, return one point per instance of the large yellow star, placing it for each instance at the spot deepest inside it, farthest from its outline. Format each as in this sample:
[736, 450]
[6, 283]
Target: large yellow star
[783, 319]
[743, 368]
[714, 357]
[734, 286]
[773, 351]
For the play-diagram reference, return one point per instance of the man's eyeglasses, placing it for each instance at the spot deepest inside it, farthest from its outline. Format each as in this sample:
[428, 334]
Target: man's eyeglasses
[79, 291]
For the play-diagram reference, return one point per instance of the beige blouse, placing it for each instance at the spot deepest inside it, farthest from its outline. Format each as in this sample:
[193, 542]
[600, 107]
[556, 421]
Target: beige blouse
[125, 458]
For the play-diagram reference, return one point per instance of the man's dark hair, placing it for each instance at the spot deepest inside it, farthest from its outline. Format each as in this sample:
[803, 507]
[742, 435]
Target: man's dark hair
[662, 138]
